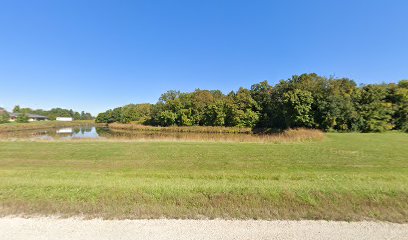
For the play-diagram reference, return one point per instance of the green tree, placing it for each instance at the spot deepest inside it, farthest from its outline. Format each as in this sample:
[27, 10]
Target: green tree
[136, 113]
[102, 118]
[403, 84]
[401, 114]
[22, 118]
[4, 117]
[214, 115]
[167, 118]
[334, 110]
[376, 113]
[297, 108]
[262, 94]
[16, 109]
[307, 100]
[241, 109]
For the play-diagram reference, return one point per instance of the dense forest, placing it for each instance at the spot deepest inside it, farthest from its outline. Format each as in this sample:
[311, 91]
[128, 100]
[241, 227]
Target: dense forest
[54, 113]
[308, 100]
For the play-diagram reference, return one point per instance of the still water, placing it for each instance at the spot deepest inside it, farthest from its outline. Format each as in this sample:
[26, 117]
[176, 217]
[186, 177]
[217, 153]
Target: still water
[72, 133]
[92, 132]
[65, 133]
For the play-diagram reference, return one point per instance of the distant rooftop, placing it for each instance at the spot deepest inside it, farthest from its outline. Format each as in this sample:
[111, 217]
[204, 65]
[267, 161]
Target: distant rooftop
[28, 115]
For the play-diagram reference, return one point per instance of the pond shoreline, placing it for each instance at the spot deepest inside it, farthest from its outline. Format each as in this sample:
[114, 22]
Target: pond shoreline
[11, 127]
[89, 130]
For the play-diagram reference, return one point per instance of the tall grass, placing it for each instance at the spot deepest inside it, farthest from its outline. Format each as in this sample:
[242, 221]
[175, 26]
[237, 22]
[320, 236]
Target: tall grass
[291, 135]
[195, 129]
[133, 132]
[209, 133]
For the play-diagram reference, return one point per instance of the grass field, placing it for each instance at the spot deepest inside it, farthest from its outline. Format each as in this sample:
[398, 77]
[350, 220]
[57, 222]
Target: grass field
[346, 176]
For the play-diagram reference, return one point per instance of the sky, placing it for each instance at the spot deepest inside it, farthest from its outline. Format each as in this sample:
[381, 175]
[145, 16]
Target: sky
[95, 55]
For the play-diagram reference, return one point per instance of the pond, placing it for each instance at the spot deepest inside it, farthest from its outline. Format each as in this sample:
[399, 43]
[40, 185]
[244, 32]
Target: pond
[104, 133]
[65, 133]
[93, 132]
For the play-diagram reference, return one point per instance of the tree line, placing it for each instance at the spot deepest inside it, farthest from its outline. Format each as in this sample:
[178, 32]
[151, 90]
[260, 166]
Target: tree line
[51, 114]
[307, 100]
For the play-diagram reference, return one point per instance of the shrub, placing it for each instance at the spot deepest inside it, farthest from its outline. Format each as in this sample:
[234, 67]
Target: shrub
[22, 118]
[4, 117]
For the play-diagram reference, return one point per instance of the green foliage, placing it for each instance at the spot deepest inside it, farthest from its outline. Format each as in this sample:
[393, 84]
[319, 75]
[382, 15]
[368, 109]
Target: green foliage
[262, 94]
[297, 108]
[109, 116]
[334, 108]
[403, 84]
[130, 113]
[376, 112]
[53, 113]
[16, 109]
[167, 118]
[401, 113]
[22, 118]
[307, 100]
[205, 108]
[4, 117]
[135, 113]
[214, 115]
[243, 109]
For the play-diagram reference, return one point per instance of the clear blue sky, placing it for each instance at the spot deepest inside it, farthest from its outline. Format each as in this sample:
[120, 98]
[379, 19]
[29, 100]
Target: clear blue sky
[94, 55]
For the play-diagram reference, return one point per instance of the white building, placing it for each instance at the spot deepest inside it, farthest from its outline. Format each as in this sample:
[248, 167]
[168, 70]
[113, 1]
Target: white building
[64, 119]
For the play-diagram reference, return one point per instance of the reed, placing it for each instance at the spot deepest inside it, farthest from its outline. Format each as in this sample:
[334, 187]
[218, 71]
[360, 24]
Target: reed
[291, 135]
[196, 129]
[208, 134]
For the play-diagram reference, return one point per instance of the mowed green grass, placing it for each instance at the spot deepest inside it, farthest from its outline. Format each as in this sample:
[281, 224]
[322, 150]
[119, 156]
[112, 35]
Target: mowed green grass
[346, 176]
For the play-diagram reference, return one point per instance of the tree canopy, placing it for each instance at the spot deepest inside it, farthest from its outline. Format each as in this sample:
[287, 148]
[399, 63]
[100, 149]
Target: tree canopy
[307, 100]
[54, 113]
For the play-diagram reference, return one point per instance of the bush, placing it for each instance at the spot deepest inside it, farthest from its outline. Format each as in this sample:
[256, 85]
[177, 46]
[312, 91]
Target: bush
[22, 118]
[4, 118]
[405, 128]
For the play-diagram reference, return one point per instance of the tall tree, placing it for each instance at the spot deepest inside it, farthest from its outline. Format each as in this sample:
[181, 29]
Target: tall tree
[297, 108]
[376, 112]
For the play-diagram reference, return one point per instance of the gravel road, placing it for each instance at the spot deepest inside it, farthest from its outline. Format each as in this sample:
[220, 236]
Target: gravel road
[74, 228]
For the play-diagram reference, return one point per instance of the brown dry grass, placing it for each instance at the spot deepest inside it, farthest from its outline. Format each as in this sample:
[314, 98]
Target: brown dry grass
[120, 132]
[288, 136]
[194, 129]
[138, 133]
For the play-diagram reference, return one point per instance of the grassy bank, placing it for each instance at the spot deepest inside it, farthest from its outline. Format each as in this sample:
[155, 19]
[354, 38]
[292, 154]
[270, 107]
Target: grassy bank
[190, 129]
[290, 135]
[13, 126]
[344, 177]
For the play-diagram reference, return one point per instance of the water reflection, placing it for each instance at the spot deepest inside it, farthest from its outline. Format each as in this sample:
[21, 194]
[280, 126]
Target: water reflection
[64, 130]
[50, 134]
[92, 132]
[73, 133]
[178, 136]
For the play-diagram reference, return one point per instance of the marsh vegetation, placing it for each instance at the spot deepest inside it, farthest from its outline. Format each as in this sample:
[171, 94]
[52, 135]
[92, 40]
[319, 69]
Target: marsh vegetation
[50, 131]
